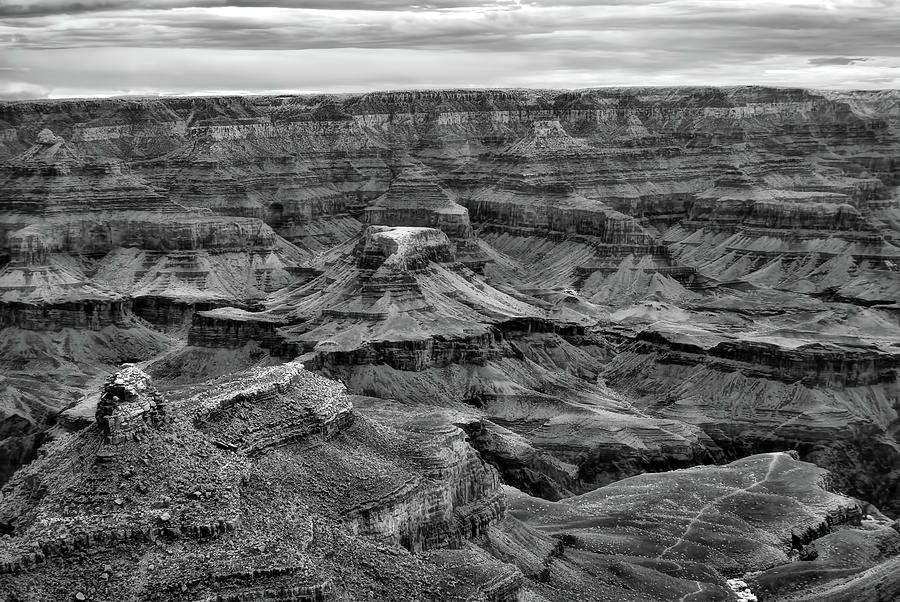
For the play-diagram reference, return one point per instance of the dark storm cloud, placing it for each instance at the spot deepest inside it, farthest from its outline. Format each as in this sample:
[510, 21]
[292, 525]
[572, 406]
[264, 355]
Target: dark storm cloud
[836, 60]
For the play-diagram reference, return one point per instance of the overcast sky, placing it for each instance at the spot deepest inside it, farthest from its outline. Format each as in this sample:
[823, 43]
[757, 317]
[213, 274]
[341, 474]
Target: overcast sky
[63, 48]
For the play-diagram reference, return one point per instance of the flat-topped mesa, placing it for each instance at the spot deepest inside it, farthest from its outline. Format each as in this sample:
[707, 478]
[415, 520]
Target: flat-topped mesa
[402, 301]
[558, 209]
[735, 202]
[128, 406]
[79, 313]
[814, 364]
[416, 199]
[389, 250]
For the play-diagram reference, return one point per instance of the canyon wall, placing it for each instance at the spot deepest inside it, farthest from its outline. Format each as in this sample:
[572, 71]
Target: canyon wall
[557, 291]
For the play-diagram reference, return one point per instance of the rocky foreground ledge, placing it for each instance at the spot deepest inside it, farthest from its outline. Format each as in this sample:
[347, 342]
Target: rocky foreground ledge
[243, 489]
[276, 485]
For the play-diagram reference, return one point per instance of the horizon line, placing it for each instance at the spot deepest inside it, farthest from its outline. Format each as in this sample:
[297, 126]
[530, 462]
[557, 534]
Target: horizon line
[312, 93]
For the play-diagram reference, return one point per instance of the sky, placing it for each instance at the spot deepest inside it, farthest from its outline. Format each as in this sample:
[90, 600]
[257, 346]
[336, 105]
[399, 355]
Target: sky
[73, 48]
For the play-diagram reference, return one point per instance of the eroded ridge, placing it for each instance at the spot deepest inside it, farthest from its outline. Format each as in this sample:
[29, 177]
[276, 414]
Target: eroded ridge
[242, 489]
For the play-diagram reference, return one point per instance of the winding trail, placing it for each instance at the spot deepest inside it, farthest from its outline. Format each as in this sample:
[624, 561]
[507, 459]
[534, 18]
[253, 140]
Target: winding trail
[712, 504]
[689, 595]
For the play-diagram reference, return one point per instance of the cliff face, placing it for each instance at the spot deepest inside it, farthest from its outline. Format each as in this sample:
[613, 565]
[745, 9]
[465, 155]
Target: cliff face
[560, 290]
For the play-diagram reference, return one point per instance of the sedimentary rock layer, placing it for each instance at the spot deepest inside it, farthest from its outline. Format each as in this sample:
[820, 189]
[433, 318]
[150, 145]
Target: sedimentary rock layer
[557, 290]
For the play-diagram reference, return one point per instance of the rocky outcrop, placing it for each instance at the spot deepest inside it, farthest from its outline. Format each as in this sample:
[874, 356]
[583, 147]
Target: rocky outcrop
[403, 249]
[282, 405]
[204, 475]
[129, 405]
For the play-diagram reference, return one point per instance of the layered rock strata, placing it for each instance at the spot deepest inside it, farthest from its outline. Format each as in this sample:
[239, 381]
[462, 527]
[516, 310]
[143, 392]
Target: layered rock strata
[225, 463]
[748, 218]
[826, 386]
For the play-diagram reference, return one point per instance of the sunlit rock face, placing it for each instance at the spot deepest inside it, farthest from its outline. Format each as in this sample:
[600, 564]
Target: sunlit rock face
[452, 344]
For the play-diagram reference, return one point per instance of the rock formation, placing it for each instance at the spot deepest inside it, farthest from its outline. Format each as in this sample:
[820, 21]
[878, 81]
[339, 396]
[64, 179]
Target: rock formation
[128, 405]
[218, 479]
[451, 345]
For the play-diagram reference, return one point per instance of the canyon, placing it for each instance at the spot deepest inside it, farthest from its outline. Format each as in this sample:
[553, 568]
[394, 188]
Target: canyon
[611, 344]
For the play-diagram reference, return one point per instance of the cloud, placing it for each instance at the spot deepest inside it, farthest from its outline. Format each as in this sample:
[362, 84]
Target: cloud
[37, 8]
[716, 29]
[836, 60]
[104, 43]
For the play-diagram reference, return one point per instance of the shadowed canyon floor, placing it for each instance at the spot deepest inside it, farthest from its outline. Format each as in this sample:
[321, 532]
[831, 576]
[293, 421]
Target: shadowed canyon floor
[620, 344]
